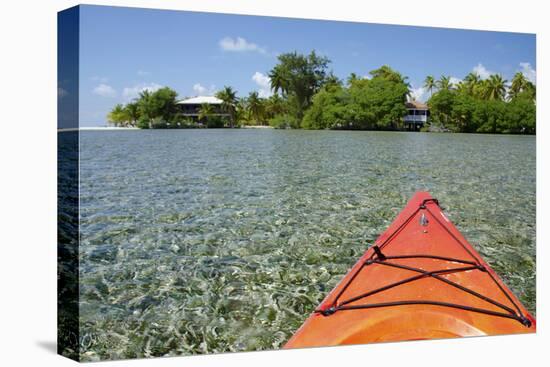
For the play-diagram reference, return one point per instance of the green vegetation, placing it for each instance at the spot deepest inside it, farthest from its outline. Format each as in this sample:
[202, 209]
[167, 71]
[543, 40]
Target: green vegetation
[298, 78]
[485, 106]
[150, 110]
[369, 104]
[308, 95]
[229, 103]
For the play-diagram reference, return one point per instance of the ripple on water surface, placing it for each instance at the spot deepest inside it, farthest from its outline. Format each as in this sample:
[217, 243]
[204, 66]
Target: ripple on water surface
[205, 241]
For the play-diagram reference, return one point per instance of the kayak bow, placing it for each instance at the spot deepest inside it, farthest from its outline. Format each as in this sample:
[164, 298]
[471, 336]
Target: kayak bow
[421, 279]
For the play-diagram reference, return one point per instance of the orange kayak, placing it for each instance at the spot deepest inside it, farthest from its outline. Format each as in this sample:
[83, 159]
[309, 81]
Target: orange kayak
[421, 279]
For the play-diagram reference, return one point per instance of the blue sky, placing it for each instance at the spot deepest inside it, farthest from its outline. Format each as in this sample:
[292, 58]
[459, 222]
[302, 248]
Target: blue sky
[126, 50]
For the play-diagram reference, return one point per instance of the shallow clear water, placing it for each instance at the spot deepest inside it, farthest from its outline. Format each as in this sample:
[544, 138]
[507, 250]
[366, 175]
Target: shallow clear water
[205, 241]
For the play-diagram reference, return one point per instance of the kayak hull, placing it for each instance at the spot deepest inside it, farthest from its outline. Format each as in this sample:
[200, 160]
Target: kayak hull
[421, 279]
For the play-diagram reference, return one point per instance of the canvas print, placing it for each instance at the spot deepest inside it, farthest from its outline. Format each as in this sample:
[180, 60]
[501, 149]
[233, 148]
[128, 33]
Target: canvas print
[234, 183]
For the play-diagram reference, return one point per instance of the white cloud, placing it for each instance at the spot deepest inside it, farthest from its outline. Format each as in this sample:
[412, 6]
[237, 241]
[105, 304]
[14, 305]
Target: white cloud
[239, 44]
[454, 80]
[201, 90]
[419, 94]
[105, 90]
[133, 92]
[482, 71]
[528, 72]
[264, 82]
[143, 73]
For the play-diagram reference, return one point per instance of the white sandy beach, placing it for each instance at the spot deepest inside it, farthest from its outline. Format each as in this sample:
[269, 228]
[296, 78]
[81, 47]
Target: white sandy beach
[100, 128]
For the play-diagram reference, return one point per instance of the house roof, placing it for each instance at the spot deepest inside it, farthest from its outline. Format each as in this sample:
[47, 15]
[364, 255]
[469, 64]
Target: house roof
[201, 100]
[417, 105]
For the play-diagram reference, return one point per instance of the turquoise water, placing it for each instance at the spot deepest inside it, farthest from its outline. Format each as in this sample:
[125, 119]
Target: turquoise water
[207, 241]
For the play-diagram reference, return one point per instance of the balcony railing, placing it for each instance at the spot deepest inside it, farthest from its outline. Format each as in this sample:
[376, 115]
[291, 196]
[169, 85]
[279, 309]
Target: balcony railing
[416, 118]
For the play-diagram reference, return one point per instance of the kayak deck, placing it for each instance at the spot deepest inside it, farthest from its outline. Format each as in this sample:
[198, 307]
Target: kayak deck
[421, 279]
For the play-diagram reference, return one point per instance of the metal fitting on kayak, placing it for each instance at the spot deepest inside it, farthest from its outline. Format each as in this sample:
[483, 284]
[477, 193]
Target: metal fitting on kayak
[424, 220]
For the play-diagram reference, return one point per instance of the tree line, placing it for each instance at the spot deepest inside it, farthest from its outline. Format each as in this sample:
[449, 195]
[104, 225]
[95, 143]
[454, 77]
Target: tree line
[159, 109]
[306, 94]
[483, 106]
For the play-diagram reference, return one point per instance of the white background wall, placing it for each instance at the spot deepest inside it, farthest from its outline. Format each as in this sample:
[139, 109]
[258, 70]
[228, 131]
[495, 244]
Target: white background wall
[28, 180]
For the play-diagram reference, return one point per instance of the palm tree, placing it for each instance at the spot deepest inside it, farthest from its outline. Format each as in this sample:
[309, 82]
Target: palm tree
[519, 84]
[206, 110]
[278, 80]
[242, 113]
[494, 87]
[472, 78]
[429, 84]
[274, 106]
[117, 116]
[444, 83]
[229, 102]
[255, 106]
[471, 83]
[388, 73]
[352, 78]
[332, 80]
[462, 87]
[385, 71]
[132, 112]
[146, 106]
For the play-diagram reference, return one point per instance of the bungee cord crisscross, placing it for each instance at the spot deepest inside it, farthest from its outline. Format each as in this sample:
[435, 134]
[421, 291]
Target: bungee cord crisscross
[378, 258]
